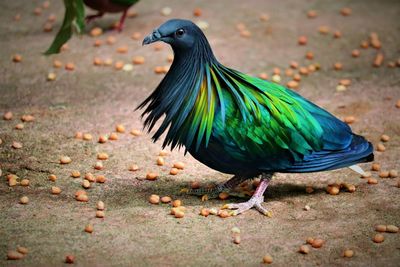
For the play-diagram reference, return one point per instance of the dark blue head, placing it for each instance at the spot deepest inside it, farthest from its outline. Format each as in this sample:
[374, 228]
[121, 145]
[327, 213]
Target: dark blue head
[183, 36]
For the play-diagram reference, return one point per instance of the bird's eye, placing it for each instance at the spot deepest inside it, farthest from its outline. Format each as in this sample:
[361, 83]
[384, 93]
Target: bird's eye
[180, 32]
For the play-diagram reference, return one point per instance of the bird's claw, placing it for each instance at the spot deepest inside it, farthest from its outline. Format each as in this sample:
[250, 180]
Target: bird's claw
[255, 202]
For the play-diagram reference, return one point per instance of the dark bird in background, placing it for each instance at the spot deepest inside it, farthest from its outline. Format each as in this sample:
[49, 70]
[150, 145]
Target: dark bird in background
[110, 6]
[74, 18]
[242, 125]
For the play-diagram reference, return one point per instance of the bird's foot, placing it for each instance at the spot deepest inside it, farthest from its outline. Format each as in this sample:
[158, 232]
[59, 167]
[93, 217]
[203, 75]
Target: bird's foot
[255, 201]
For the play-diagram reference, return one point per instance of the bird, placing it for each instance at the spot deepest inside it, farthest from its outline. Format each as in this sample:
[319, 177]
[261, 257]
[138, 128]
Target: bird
[109, 6]
[239, 124]
[74, 18]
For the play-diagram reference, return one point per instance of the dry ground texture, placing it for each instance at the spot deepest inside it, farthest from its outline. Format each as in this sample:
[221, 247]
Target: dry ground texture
[94, 99]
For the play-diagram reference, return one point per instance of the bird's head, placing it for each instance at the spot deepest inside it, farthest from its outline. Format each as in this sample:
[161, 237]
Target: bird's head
[179, 33]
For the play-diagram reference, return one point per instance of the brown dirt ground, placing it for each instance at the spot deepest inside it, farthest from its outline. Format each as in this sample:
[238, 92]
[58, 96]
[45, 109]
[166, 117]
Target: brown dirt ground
[94, 99]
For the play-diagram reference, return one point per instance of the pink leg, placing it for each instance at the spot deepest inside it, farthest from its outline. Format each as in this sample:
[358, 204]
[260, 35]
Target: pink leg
[122, 21]
[255, 201]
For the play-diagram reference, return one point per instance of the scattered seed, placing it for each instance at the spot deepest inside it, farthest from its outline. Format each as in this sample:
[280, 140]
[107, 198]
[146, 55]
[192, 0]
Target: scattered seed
[100, 179]
[267, 259]
[309, 189]
[133, 167]
[380, 228]
[179, 165]
[306, 208]
[236, 239]
[154, 199]
[194, 185]
[24, 200]
[85, 184]
[98, 165]
[8, 116]
[392, 228]
[174, 171]
[323, 29]
[52, 177]
[223, 214]
[24, 182]
[65, 160]
[385, 138]
[333, 190]
[348, 253]
[366, 175]
[378, 238]
[384, 174]
[102, 139]
[96, 31]
[75, 174]
[338, 66]
[55, 190]
[378, 60]
[135, 132]
[87, 137]
[102, 156]
[345, 82]
[22, 250]
[304, 249]
[14, 255]
[69, 259]
[119, 65]
[312, 14]
[151, 176]
[179, 214]
[375, 167]
[349, 119]
[204, 212]
[177, 203]
[100, 205]
[302, 40]
[337, 34]
[82, 197]
[166, 199]
[346, 11]
[393, 173]
[51, 76]
[113, 136]
[317, 243]
[160, 161]
[309, 240]
[89, 228]
[16, 145]
[355, 53]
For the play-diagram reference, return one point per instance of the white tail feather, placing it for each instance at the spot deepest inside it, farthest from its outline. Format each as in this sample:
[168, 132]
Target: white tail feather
[357, 169]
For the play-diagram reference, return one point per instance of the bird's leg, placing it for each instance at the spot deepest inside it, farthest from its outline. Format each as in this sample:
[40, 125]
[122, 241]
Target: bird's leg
[90, 18]
[121, 21]
[255, 201]
[213, 192]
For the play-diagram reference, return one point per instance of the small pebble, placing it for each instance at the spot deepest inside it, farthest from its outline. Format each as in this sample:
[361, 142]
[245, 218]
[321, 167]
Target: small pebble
[166, 11]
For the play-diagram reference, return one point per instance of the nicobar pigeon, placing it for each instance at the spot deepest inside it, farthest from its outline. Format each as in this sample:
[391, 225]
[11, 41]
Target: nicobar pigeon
[242, 125]
[74, 18]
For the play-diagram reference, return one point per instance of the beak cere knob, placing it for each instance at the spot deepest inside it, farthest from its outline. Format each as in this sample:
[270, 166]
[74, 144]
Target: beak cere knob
[151, 38]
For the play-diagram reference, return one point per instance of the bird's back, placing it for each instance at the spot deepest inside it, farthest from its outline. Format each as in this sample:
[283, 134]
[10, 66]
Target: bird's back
[276, 130]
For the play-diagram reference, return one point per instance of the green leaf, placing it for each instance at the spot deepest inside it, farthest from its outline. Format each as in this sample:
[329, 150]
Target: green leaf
[73, 20]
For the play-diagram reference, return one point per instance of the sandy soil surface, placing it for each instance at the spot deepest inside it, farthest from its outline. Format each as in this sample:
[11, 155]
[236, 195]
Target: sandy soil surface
[93, 99]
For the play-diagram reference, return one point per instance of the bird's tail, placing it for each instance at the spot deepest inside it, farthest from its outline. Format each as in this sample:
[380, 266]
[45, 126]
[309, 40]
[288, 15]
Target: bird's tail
[359, 151]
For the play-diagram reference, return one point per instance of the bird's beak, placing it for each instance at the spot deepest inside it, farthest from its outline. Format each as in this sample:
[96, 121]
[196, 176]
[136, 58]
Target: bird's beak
[151, 38]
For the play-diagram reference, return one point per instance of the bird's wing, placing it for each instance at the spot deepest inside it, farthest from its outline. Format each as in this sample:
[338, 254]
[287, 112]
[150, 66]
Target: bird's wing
[125, 2]
[266, 121]
[74, 20]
